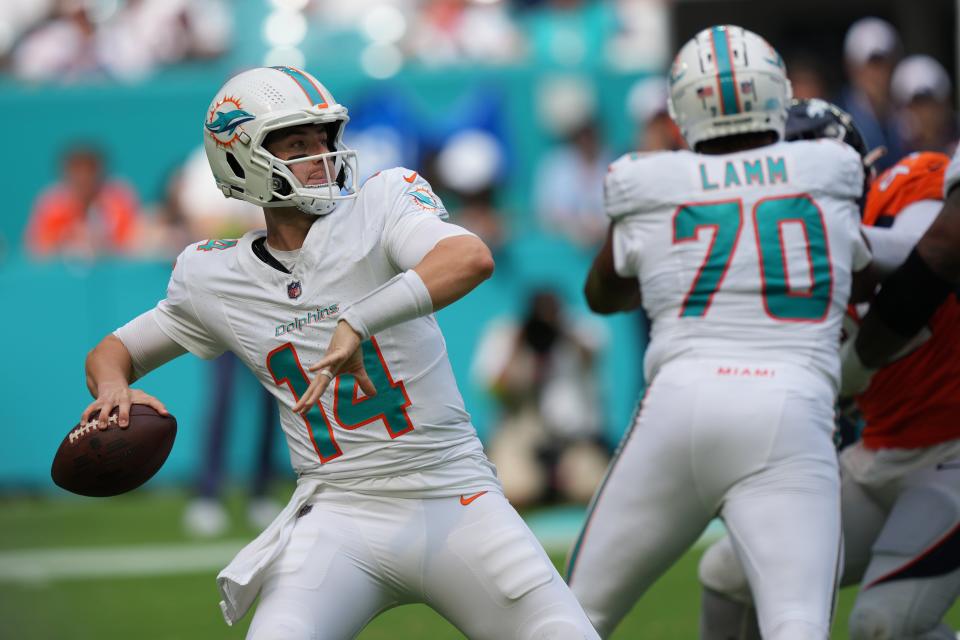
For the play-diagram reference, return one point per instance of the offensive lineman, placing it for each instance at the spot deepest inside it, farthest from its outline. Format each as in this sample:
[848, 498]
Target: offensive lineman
[744, 251]
[901, 482]
[395, 501]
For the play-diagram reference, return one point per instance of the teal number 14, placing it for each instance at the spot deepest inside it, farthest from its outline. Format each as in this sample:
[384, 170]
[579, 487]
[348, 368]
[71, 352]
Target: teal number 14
[781, 301]
[350, 411]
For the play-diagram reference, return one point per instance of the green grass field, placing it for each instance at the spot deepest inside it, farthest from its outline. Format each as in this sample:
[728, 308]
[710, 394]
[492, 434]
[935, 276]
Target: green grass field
[61, 577]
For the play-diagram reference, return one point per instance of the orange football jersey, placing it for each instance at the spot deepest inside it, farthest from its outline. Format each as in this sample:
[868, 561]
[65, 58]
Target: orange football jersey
[919, 176]
[915, 400]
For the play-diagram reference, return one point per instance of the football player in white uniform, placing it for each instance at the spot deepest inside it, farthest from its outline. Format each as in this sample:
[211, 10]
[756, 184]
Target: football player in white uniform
[900, 483]
[331, 308]
[744, 251]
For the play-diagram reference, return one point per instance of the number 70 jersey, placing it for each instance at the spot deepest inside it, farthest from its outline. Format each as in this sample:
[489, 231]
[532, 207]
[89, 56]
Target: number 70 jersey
[745, 256]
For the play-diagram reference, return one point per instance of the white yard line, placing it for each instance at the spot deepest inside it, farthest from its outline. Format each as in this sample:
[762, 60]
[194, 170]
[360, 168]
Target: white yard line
[48, 565]
[40, 566]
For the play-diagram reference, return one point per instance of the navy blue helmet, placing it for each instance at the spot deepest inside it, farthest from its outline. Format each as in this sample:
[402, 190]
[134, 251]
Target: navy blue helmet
[815, 118]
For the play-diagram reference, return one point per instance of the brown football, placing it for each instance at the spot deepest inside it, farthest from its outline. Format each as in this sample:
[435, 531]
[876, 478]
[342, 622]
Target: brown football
[98, 463]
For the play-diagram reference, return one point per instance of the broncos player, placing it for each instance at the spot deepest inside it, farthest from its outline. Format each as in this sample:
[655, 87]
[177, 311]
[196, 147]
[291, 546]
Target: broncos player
[742, 253]
[901, 481]
[331, 307]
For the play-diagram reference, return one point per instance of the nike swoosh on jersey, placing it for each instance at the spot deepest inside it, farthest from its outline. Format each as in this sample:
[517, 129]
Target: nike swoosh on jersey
[410, 178]
[465, 500]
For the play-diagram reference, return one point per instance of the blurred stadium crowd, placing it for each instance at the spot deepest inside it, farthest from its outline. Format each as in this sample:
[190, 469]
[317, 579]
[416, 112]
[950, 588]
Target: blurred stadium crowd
[76, 40]
[901, 100]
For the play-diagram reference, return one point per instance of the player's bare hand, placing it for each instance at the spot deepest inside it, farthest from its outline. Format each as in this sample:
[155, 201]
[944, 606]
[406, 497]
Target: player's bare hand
[122, 396]
[343, 356]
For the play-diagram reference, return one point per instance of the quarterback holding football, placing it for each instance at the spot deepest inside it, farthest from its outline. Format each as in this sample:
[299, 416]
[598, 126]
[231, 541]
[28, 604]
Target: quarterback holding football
[331, 308]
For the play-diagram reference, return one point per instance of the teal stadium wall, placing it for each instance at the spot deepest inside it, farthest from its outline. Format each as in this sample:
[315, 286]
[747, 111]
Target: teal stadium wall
[53, 313]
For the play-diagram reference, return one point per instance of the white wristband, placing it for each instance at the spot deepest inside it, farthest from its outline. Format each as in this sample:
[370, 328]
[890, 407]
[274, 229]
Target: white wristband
[854, 375]
[400, 299]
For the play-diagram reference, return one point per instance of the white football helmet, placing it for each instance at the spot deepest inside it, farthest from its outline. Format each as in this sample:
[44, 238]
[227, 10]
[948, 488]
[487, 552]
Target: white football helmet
[725, 81]
[251, 105]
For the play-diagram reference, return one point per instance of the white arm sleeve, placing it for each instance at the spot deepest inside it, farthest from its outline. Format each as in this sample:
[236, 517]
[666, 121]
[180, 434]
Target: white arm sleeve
[415, 220]
[626, 248]
[413, 236]
[891, 245]
[148, 345]
[179, 317]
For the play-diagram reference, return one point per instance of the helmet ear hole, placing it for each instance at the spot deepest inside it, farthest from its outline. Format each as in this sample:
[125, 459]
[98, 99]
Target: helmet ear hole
[235, 165]
[280, 184]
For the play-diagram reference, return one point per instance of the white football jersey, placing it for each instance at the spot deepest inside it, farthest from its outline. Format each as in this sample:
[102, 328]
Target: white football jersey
[952, 177]
[414, 436]
[746, 255]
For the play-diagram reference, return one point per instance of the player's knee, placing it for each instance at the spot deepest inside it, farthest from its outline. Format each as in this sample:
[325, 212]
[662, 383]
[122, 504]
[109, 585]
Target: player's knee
[872, 622]
[879, 621]
[720, 570]
[920, 517]
[561, 629]
[287, 629]
[723, 618]
[798, 630]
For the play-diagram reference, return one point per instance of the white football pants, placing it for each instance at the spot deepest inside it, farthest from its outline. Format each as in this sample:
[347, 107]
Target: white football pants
[477, 564]
[901, 529]
[901, 524]
[748, 441]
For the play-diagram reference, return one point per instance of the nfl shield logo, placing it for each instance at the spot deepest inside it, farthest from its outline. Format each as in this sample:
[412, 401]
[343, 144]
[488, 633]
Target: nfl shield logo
[294, 290]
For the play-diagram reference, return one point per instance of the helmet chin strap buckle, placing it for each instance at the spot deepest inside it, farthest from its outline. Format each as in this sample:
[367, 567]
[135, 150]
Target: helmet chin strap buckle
[244, 137]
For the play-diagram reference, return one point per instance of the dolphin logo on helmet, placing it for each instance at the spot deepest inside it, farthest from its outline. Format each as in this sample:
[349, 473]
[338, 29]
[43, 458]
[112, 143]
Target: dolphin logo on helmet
[227, 122]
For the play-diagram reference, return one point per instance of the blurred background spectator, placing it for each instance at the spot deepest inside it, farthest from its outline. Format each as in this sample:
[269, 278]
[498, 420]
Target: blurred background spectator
[647, 106]
[83, 39]
[806, 78]
[549, 442]
[470, 166]
[86, 213]
[871, 48]
[921, 88]
[63, 48]
[568, 179]
[461, 32]
[568, 189]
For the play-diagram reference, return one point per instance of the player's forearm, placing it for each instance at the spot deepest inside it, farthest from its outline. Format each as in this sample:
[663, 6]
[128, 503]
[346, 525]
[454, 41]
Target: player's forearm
[605, 290]
[108, 363]
[905, 304]
[940, 244]
[454, 267]
[605, 295]
[911, 295]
